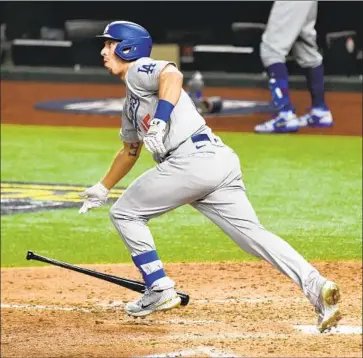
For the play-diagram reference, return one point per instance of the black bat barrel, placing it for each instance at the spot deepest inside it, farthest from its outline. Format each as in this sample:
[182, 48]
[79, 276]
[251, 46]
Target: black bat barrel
[124, 282]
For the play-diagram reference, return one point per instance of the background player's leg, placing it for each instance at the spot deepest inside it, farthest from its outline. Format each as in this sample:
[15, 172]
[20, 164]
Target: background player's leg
[283, 27]
[231, 210]
[308, 57]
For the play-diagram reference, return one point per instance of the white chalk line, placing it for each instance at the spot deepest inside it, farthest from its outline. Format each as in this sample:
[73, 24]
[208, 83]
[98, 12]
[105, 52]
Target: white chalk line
[208, 350]
[249, 300]
[119, 304]
[226, 335]
[338, 330]
[225, 300]
[153, 321]
[80, 309]
[43, 307]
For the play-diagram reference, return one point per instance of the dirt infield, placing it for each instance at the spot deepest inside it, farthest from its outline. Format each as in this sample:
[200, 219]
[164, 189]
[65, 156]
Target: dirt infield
[18, 98]
[236, 309]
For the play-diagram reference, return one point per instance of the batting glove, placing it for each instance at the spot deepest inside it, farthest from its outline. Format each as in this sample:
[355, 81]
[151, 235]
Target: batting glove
[96, 196]
[153, 139]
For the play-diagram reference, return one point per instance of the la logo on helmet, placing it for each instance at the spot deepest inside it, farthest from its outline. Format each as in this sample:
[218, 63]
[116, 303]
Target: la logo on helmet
[106, 29]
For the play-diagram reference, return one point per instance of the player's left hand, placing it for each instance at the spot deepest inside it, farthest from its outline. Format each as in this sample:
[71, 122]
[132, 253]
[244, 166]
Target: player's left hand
[153, 139]
[95, 196]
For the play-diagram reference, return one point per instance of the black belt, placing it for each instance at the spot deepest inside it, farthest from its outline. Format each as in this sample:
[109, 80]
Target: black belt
[195, 139]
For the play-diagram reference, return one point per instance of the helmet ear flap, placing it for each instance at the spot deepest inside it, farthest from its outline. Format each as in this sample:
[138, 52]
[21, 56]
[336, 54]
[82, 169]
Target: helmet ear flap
[122, 51]
[118, 50]
[132, 49]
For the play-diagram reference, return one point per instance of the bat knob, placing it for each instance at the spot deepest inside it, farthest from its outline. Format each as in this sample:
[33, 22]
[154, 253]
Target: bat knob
[185, 300]
[29, 255]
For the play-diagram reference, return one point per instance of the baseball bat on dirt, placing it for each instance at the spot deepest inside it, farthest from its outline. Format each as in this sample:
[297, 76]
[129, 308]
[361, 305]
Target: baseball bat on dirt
[124, 282]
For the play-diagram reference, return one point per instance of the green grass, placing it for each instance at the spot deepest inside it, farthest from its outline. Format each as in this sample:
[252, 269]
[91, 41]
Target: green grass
[307, 189]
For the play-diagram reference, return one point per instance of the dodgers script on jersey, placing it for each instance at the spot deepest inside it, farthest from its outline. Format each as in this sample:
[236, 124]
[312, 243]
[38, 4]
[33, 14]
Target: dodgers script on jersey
[142, 83]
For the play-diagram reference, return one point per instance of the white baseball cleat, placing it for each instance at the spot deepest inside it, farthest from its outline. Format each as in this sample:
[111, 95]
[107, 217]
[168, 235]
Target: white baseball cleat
[284, 122]
[317, 117]
[153, 300]
[329, 315]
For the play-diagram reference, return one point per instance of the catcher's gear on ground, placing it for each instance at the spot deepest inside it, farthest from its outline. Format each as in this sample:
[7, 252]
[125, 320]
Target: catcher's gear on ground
[211, 104]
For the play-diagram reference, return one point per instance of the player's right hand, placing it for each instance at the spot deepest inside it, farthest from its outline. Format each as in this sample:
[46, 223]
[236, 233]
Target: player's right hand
[153, 139]
[96, 196]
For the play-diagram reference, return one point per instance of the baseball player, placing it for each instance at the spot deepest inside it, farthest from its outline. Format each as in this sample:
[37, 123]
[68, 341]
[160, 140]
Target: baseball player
[193, 167]
[291, 26]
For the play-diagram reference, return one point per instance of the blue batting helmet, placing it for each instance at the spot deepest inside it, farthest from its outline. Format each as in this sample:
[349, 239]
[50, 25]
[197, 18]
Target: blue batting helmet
[135, 41]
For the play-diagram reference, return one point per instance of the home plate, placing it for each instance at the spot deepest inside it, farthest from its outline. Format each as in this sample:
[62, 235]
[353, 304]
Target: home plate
[338, 330]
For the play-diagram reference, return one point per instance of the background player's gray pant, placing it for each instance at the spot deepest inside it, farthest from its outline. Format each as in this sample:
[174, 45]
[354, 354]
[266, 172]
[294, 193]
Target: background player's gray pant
[208, 178]
[291, 24]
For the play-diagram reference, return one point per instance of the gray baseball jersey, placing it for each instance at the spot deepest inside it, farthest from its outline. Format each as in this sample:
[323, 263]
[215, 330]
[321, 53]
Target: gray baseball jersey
[201, 171]
[142, 81]
[291, 25]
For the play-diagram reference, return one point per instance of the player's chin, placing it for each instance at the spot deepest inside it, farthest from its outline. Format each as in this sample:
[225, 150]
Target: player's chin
[107, 67]
[112, 71]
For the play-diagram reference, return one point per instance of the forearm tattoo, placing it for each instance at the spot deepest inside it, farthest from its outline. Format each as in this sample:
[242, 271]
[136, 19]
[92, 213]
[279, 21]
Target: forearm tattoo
[134, 147]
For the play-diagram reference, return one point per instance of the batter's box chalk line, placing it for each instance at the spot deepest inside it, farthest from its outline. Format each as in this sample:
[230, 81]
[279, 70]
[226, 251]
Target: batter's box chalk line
[43, 307]
[222, 301]
[208, 351]
[338, 330]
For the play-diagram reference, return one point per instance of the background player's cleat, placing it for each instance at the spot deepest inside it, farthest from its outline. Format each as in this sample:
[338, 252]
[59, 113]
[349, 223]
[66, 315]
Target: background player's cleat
[152, 301]
[317, 117]
[329, 315]
[284, 122]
